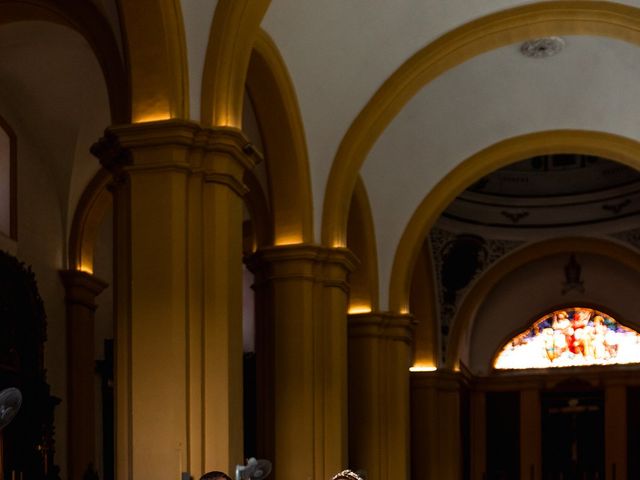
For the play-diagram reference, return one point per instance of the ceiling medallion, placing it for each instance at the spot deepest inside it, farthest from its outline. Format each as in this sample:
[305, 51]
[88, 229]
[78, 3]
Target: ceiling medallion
[542, 47]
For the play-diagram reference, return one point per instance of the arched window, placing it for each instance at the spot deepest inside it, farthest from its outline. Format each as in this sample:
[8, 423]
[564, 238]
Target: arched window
[7, 180]
[571, 337]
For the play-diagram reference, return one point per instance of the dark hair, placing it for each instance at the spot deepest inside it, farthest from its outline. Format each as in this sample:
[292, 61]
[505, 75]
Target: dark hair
[215, 475]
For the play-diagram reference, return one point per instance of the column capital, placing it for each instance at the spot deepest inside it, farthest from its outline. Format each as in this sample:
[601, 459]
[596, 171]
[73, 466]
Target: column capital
[215, 151]
[303, 261]
[384, 325]
[441, 380]
[81, 287]
[306, 252]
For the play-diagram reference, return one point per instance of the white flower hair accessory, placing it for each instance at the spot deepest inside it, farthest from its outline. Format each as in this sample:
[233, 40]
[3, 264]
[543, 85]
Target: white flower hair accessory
[347, 475]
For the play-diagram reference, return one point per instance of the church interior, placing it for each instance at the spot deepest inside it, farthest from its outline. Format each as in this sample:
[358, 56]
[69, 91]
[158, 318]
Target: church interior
[397, 237]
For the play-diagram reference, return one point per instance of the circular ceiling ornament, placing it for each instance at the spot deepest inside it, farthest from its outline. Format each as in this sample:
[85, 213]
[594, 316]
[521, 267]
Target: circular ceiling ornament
[542, 47]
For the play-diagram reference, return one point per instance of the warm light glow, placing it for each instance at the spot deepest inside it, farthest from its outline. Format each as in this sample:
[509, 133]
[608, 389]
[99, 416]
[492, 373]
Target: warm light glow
[152, 117]
[355, 309]
[228, 122]
[571, 337]
[423, 368]
[288, 240]
[86, 268]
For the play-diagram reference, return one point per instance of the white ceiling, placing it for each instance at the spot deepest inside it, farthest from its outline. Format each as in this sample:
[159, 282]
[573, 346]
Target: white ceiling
[592, 85]
[338, 53]
[50, 80]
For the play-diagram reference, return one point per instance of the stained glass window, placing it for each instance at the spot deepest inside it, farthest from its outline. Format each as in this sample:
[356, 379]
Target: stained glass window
[571, 337]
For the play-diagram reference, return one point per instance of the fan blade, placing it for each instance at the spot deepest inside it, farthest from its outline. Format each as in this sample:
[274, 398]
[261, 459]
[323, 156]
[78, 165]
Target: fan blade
[262, 470]
[10, 401]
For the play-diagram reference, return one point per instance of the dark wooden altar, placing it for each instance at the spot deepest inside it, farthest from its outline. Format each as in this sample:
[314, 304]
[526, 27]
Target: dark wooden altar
[28, 446]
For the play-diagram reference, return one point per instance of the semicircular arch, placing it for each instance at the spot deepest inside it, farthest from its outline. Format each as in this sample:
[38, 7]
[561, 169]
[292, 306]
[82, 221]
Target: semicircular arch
[472, 39]
[531, 253]
[84, 18]
[606, 145]
[362, 242]
[236, 24]
[94, 204]
[274, 100]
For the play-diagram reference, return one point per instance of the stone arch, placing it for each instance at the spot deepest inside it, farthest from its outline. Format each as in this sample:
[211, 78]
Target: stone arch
[452, 49]
[94, 204]
[273, 96]
[157, 60]
[233, 32]
[606, 145]
[361, 241]
[84, 18]
[473, 301]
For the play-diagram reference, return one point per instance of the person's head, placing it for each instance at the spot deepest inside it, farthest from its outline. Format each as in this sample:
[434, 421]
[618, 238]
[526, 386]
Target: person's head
[347, 475]
[215, 475]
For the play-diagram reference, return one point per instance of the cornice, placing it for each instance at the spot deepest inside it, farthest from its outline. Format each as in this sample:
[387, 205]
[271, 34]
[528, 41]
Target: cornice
[383, 325]
[124, 146]
[82, 288]
[310, 262]
[310, 252]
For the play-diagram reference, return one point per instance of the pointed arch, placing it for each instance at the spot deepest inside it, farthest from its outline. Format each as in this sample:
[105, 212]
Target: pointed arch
[276, 106]
[485, 34]
[606, 145]
[155, 47]
[361, 240]
[474, 299]
[233, 32]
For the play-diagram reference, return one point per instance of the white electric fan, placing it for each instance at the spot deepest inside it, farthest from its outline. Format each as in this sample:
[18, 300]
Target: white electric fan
[10, 401]
[253, 470]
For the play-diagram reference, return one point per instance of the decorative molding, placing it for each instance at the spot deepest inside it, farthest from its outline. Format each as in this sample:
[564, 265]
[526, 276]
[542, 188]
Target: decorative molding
[515, 217]
[608, 19]
[630, 237]
[220, 151]
[275, 103]
[231, 38]
[572, 276]
[616, 208]
[606, 145]
[316, 263]
[387, 326]
[530, 253]
[492, 251]
[542, 47]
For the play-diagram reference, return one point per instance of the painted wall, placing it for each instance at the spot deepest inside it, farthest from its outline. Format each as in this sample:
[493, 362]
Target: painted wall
[40, 245]
[529, 292]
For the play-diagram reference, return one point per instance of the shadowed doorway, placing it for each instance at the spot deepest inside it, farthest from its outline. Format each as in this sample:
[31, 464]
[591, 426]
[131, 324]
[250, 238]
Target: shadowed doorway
[573, 435]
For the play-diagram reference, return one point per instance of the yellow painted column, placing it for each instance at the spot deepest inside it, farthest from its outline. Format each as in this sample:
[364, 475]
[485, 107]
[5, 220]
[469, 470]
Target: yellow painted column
[80, 297]
[530, 434]
[379, 360]
[178, 215]
[308, 289]
[228, 154]
[435, 425]
[615, 432]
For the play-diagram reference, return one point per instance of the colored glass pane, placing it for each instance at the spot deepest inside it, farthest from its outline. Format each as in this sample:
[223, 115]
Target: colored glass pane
[569, 338]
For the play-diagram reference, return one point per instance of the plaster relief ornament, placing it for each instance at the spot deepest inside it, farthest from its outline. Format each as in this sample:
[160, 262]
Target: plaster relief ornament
[542, 47]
